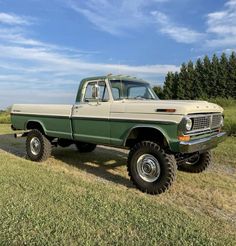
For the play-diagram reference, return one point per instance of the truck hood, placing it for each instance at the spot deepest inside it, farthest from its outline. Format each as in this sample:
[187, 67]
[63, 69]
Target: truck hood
[181, 107]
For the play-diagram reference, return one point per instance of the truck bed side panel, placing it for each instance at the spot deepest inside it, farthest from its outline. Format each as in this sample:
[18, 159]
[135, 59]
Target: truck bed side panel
[55, 119]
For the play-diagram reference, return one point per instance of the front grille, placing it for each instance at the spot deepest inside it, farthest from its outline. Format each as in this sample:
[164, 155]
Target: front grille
[216, 119]
[202, 122]
[205, 122]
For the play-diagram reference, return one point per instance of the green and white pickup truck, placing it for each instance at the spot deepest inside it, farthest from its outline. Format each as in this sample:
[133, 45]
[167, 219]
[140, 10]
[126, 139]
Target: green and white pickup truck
[124, 112]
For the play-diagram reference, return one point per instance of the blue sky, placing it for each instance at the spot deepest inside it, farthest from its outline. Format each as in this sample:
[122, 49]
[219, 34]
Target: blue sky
[46, 47]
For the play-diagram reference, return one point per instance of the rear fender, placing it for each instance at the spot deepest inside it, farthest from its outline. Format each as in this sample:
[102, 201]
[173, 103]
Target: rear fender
[35, 121]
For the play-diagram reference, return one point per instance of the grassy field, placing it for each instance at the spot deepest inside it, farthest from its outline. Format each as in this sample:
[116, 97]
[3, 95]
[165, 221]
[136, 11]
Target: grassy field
[230, 120]
[4, 117]
[87, 199]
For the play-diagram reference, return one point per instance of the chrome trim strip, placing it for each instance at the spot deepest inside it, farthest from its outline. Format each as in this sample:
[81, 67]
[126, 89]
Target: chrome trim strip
[203, 132]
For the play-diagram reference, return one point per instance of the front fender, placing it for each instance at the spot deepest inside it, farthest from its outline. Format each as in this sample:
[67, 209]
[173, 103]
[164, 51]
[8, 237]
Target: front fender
[169, 131]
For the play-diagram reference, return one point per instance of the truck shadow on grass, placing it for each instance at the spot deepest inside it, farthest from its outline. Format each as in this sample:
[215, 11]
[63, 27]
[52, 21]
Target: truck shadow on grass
[13, 146]
[104, 162]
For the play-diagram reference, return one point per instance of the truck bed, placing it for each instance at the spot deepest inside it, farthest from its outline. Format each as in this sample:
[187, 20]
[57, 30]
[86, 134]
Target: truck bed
[56, 118]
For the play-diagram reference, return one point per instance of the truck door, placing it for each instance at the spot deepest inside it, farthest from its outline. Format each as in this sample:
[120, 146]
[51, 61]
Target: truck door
[90, 117]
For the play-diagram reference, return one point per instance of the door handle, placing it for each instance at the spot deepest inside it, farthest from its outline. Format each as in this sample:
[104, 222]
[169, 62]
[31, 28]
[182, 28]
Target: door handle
[77, 107]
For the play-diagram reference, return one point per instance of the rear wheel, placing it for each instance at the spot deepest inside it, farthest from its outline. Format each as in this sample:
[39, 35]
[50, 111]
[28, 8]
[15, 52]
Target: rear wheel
[150, 168]
[85, 147]
[38, 147]
[197, 164]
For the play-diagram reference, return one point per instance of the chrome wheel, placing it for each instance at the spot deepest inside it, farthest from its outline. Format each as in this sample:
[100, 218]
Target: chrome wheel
[148, 168]
[35, 146]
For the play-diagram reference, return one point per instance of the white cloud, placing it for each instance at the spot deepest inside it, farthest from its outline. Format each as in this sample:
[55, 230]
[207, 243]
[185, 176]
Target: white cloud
[118, 17]
[51, 61]
[221, 26]
[179, 33]
[115, 17]
[32, 67]
[12, 19]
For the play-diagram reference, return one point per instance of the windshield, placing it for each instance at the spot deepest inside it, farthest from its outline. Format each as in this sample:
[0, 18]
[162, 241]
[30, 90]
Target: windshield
[124, 89]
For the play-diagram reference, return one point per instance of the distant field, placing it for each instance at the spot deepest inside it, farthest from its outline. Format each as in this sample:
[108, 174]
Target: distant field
[77, 199]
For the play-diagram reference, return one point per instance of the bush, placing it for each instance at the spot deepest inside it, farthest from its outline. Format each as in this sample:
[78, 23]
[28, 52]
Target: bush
[230, 127]
[230, 120]
[223, 102]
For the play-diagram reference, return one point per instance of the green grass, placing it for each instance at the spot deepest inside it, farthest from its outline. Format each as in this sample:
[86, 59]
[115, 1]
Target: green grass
[77, 199]
[230, 120]
[4, 117]
[229, 106]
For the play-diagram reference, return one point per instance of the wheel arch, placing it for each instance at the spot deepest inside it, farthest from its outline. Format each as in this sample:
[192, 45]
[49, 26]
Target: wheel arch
[153, 131]
[35, 124]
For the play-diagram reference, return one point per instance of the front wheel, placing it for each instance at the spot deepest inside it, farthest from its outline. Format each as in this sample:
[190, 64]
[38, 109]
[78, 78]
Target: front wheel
[197, 164]
[38, 147]
[150, 168]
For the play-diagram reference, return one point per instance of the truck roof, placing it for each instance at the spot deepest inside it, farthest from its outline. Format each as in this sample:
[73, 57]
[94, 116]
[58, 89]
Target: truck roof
[115, 77]
[110, 77]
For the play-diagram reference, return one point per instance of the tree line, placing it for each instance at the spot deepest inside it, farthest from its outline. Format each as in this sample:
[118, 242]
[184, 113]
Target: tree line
[207, 78]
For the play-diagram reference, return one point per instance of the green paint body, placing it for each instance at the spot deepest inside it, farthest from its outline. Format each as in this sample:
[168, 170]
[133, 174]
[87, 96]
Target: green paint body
[54, 126]
[99, 131]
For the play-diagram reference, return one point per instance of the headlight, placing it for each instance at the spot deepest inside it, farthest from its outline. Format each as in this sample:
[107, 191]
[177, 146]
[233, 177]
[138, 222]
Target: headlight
[189, 124]
[222, 121]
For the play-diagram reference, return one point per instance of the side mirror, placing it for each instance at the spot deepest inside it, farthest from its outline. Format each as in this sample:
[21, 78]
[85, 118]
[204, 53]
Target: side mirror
[95, 92]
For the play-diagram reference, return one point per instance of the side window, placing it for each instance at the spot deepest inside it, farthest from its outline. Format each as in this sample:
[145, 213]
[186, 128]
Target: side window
[90, 93]
[138, 91]
[115, 93]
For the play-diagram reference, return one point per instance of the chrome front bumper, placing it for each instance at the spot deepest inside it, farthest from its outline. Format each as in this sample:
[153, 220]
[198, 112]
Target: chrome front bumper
[200, 145]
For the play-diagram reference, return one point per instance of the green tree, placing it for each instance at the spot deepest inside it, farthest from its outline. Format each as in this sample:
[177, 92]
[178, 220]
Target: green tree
[214, 82]
[207, 77]
[168, 85]
[231, 82]
[183, 77]
[189, 81]
[198, 81]
[175, 85]
[223, 76]
[159, 91]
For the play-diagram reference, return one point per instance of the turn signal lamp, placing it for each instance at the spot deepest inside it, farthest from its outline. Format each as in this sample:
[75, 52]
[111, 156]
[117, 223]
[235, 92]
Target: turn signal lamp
[184, 138]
